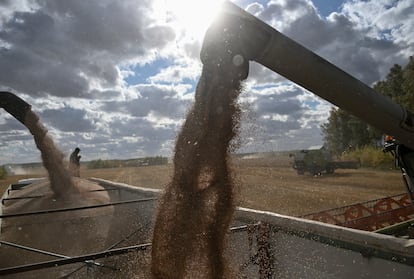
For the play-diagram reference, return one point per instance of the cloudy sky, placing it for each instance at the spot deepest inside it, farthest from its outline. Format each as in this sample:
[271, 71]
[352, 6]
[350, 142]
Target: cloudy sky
[116, 78]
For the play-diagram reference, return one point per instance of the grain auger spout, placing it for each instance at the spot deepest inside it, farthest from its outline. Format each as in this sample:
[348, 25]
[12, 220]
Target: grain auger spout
[60, 179]
[246, 38]
[236, 37]
[14, 105]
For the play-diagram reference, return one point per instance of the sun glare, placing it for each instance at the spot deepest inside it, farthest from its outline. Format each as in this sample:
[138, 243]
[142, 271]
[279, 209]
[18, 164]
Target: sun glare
[191, 16]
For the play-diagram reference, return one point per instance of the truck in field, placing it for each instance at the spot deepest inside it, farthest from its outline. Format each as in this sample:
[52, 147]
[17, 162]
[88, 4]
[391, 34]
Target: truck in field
[318, 161]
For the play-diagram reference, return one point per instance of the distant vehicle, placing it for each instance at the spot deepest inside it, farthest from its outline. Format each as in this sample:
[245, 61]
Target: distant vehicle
[317, 161]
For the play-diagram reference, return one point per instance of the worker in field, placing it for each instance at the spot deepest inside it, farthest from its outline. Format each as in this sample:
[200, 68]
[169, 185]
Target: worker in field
[74, 162]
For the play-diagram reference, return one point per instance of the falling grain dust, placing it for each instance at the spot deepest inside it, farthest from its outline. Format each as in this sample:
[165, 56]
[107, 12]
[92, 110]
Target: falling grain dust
[52, 158]
[195, 212]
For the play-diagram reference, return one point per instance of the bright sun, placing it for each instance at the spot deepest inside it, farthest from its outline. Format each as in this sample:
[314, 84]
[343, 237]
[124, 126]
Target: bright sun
[191, 16]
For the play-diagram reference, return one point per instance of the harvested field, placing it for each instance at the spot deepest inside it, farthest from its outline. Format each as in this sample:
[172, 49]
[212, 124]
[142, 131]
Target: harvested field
[271, 184]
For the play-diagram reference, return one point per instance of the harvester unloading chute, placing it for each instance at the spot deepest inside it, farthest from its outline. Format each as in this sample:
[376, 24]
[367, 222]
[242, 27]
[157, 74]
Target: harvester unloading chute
[257, 41]
[60, 179]
[260, 42]
[14, 105]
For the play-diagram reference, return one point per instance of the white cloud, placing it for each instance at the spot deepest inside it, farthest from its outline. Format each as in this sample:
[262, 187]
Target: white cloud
[177, 73]
[66, 48]
[386, 19]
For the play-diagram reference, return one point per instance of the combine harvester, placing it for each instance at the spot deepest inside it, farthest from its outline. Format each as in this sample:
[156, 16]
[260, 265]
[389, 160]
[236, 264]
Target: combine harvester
[316, 161]
[104, 232]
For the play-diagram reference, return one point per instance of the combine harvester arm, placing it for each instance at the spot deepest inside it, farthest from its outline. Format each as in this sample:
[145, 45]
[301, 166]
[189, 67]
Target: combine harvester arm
[14, 105]
[262, 43]
[250, 38]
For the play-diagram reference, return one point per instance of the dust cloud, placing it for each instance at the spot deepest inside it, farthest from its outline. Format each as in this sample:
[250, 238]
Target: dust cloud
[61, 181]
[196, 209]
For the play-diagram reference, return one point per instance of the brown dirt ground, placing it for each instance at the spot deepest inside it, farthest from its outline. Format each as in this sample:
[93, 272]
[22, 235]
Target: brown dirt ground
[271, 184]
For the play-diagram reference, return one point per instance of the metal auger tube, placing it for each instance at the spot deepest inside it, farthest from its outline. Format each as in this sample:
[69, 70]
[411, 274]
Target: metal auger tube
[14, 105]
[267, 46]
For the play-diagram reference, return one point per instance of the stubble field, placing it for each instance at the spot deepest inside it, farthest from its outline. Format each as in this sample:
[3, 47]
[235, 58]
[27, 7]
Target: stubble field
[270, 184]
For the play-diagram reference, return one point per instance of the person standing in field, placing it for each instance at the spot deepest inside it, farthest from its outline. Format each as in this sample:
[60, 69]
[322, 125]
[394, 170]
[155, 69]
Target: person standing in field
[74, 162]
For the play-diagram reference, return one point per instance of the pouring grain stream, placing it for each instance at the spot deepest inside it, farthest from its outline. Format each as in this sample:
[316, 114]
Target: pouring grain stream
[52, 158]
[196, 209]
[61, 181]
